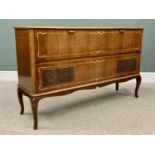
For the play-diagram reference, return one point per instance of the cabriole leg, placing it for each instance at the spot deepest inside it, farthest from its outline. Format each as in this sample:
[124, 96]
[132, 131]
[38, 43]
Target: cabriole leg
[34, 106]
[117, 86]
[20, 98]
[138, 82]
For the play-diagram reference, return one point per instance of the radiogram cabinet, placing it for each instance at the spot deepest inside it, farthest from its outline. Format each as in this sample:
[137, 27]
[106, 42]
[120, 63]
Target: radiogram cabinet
[56, 61]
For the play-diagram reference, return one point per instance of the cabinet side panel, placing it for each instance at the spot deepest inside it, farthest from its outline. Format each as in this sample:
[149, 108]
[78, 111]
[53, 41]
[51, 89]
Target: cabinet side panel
[23, 59]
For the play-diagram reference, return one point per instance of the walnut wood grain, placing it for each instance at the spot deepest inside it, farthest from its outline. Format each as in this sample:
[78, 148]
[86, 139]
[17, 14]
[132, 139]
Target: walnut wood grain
[60, 44]
[23, 59]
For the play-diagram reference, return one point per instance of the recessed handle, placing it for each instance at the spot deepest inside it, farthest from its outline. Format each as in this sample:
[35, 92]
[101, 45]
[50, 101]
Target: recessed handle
[97, 52]
[71, 31]
[96, 61]
[121, 31]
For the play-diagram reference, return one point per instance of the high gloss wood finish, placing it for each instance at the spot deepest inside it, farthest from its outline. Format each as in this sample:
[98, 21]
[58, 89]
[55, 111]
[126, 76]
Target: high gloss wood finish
[56, 61]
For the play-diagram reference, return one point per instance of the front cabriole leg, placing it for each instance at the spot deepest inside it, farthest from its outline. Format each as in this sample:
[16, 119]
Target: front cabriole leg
[138, 82]
[20, 98]
[34, 105]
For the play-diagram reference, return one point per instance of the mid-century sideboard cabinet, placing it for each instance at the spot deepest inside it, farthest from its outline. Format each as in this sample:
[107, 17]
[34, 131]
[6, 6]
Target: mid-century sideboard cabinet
[55, 61]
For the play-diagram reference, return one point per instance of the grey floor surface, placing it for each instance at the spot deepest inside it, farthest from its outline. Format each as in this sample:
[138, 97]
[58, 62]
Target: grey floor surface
[101, 111]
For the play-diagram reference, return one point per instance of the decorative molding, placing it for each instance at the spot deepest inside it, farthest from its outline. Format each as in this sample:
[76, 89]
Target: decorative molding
[37, 36]
[12, 76]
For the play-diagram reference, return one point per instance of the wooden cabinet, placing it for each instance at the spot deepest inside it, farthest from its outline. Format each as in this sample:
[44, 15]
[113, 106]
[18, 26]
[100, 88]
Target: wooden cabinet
[59, 60]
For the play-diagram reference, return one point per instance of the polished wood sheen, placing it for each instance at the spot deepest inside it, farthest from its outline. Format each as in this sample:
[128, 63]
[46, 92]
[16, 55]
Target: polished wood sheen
[55, 61]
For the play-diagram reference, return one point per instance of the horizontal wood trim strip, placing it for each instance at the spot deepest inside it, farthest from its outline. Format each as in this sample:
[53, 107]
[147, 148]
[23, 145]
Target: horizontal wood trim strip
[57, 27]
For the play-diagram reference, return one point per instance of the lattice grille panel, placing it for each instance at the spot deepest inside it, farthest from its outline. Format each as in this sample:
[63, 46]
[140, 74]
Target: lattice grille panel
[126, 65]
[57, 76]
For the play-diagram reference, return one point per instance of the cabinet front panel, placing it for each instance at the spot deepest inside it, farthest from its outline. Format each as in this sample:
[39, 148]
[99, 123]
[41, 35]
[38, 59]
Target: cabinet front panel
[51, 44]
[61, 44]
[122, 65]
[123, 41]
[64, 44]
[65, 74]
[131, 40]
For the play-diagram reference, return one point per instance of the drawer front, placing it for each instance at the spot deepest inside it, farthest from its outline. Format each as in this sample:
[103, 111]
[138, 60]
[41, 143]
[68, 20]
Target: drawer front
[65, 74]
[64, 44]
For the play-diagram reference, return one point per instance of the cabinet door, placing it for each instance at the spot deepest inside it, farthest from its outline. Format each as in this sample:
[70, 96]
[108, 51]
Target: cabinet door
[65, 74]
[113, 38]
[51, 44]
[79, 43]
[97, 42]
[97, 69]
[105, 42]
[61, 44]
[122, 65]
[110, 67]
[131, 40]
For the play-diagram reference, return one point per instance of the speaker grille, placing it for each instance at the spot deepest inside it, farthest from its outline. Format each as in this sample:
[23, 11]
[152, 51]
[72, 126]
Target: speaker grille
[58, 76]
[126, 65]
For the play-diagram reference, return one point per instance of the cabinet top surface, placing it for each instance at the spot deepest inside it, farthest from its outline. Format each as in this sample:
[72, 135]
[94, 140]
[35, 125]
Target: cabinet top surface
[58, 27]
